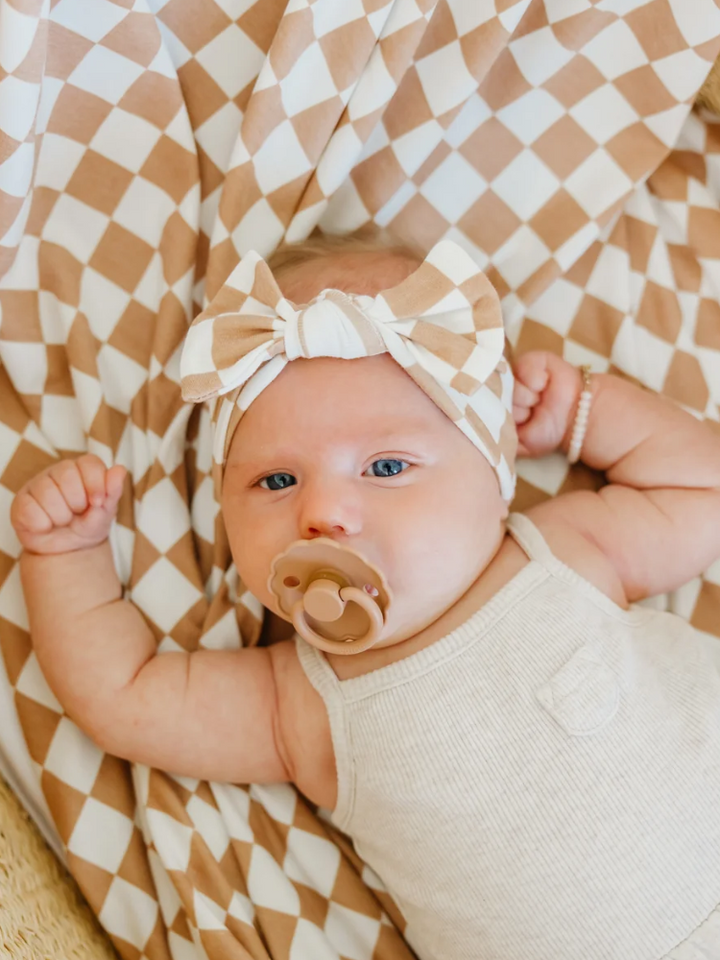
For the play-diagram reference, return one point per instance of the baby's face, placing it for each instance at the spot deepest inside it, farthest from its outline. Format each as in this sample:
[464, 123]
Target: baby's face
[355, 451]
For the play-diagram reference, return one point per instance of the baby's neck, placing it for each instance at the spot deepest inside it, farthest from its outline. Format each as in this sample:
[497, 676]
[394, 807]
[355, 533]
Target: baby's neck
[507, 562]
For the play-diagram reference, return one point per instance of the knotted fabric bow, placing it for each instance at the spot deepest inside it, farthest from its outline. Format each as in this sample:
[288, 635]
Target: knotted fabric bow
[442, 324]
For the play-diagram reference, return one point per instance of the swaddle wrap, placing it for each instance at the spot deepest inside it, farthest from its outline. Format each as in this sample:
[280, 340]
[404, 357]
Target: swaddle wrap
[442, 324]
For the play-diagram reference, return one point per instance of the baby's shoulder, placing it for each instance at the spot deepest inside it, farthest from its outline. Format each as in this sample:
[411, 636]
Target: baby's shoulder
[573, 548]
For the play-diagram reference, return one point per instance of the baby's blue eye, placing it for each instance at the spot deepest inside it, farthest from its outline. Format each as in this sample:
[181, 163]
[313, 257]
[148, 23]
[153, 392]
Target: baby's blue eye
[386, 468]
[278, 481]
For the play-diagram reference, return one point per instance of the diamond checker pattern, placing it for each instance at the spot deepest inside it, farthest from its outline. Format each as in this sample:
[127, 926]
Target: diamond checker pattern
[145, 145]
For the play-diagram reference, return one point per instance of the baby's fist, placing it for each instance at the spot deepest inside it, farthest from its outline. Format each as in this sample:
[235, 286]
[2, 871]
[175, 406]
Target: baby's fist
[544, 402]
[69, 506]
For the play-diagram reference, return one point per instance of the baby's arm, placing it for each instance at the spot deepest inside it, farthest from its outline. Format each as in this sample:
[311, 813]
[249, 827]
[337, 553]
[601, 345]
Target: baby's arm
[208, 714]
[658, 520]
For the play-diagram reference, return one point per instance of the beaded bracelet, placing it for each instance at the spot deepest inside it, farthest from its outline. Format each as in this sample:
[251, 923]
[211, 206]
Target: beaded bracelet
[581, 418]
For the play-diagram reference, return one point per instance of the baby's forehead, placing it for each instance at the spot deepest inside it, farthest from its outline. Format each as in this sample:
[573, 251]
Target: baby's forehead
[340, 400]
[326, 417]
[365, 272]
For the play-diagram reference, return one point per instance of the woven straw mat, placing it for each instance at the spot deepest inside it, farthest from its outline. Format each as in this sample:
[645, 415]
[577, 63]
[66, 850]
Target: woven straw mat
[42, 913]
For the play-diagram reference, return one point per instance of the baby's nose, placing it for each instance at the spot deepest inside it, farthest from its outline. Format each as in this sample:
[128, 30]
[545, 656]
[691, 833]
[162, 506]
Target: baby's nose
[329, 512]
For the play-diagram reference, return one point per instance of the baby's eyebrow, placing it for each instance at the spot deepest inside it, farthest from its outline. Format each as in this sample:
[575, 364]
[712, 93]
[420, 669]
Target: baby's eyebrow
[412, 429]
[380, 440]
[242, 465]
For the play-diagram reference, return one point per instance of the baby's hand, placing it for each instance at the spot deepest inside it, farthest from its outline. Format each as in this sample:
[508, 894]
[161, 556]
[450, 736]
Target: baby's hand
[69, 506]
[546, 395]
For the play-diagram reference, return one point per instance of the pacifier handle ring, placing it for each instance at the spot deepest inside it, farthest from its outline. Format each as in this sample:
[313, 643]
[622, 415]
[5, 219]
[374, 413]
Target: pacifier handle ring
[349, 595]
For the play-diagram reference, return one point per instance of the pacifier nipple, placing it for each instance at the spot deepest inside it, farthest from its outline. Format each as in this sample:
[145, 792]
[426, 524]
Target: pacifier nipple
[323, 601]
[335, 598]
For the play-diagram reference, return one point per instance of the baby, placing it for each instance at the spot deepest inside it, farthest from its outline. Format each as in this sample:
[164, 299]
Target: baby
[530, 761]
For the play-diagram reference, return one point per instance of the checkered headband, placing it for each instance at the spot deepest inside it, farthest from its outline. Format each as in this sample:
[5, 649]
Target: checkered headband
[442, 324]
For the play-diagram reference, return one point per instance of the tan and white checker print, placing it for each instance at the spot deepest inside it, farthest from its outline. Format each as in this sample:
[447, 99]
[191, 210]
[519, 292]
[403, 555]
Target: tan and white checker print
[144, 147]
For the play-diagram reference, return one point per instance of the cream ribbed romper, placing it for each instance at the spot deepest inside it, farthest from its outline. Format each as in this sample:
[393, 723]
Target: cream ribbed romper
[543, 783]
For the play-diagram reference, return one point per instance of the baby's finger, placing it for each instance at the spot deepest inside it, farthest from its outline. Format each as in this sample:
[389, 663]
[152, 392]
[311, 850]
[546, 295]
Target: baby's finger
[115, 481]
[93, 471]
[67, 477]
[521, 414]
[532, 370]
[114, 484]
[523, 396]
[543, 432]
[48, 495]
[27, 514]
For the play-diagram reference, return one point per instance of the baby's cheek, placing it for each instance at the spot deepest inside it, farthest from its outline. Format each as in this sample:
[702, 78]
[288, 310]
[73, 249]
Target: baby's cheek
[441, 548]
[416, 548]
[242, 538]
[254, 570]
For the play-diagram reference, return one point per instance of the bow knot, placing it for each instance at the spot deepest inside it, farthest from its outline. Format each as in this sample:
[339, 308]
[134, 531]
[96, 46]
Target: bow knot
[332, 325]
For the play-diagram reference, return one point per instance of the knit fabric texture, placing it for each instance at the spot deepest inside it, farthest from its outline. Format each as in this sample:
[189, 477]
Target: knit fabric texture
[542, 783]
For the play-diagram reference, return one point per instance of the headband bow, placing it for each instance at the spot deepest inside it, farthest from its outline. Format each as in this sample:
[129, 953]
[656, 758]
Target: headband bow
[442, 324]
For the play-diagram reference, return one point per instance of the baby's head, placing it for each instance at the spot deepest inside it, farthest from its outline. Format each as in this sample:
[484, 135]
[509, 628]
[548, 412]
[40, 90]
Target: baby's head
[356, 451]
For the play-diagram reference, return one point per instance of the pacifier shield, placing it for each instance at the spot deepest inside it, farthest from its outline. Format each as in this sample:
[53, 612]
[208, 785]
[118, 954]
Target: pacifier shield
[336, 599]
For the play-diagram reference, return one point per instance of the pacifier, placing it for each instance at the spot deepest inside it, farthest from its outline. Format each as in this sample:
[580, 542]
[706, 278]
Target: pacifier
[337, 600]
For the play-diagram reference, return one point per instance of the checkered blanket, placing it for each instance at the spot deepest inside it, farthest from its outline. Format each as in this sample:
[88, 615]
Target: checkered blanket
[145, 145]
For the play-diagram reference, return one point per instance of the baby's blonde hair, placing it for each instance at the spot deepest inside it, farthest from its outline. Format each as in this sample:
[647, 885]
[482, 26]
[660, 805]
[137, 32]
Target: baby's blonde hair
[323, 246]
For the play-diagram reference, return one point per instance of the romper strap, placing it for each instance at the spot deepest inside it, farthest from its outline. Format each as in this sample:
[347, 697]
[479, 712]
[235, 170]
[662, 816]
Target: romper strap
[323, 678]
[527, 535]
